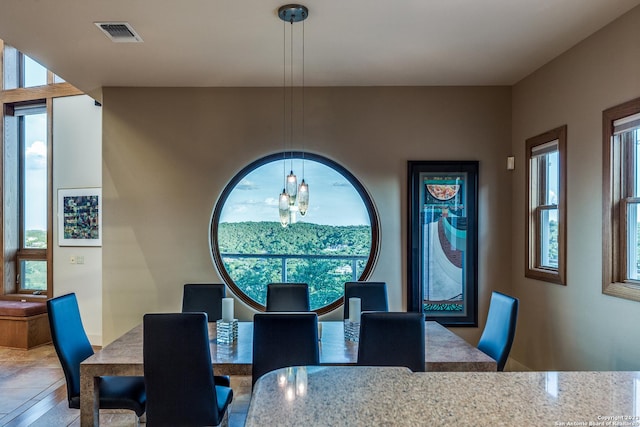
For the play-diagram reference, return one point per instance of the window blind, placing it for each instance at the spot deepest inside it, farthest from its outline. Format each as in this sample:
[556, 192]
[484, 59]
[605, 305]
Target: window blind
[546, 148]
[625, 124]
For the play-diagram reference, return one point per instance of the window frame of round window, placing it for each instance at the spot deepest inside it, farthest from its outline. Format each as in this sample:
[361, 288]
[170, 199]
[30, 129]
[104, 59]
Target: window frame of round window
[279, 157]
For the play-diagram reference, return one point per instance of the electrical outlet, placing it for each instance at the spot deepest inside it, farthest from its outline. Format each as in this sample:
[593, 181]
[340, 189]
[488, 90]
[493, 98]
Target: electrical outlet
[72, 259]
[80, 259]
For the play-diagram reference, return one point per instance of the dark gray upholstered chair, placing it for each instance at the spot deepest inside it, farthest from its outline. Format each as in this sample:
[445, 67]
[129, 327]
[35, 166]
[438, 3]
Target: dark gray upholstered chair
[392, 339]
[73, 346]
[178, 373]
[287, 297]
[284, 339]
[205, 297]
[373, 296]
[500, 329]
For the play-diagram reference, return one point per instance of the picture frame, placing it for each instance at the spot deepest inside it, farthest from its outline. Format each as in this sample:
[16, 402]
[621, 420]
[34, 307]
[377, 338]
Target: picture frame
[80, 217]
[442, 253]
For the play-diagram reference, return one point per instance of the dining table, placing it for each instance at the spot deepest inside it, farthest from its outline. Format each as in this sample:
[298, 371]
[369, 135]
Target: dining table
[444, 351]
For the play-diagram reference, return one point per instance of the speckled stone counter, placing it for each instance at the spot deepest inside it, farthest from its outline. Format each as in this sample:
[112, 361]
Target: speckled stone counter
[366, 396]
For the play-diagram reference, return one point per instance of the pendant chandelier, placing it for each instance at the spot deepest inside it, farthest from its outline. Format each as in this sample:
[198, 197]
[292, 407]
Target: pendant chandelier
[291, 192]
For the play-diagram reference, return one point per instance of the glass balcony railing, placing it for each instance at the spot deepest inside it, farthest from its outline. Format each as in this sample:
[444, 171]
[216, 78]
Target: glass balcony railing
[325, 274]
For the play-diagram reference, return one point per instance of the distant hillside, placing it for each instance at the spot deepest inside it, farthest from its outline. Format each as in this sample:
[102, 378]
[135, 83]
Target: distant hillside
[300, 238]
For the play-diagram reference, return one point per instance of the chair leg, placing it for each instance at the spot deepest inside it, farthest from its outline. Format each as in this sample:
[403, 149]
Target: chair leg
[225, 419]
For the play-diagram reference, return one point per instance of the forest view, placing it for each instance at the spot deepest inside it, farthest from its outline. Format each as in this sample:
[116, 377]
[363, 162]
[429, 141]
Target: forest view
[553, 243]
[323, 256]
[35, 272]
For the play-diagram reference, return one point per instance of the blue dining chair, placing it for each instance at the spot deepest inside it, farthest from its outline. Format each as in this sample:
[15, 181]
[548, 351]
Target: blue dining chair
[373, 296]
[288, 297]
[500, 329]
[284, 339]
[205, 297]
[72, 347]
[178, 375]
[392, 339]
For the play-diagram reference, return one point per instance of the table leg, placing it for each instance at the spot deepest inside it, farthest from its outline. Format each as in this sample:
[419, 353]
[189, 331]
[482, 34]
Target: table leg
[89, 398]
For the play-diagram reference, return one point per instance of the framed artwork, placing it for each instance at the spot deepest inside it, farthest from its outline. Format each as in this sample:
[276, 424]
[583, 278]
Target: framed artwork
[80, 217]
[442, 258]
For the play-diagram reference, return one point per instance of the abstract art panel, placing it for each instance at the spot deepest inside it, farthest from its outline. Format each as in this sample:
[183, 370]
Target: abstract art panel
[443, 241]
[80, 217]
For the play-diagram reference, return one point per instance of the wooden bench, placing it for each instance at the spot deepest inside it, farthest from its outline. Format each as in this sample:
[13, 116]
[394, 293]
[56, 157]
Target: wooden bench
[23, 324]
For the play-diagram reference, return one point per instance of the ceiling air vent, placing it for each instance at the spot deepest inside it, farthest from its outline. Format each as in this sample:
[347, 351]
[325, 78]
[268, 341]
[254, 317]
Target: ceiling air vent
[119, 32]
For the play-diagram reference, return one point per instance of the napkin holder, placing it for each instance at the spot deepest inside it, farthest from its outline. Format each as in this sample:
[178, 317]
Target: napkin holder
[226, 332]
[351, 330]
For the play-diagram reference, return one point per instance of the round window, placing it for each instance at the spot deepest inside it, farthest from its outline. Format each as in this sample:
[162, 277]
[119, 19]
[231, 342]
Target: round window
[335, 241]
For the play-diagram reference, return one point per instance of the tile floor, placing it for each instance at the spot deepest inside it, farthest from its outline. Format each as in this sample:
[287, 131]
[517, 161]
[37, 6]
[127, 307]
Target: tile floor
[33, 393]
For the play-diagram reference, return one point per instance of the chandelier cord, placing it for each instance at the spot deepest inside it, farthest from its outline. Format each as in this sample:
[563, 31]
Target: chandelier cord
[291, 92]
[302, 108]
[284, 103]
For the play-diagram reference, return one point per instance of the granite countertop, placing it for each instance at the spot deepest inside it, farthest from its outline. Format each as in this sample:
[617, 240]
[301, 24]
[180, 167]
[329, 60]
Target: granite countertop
[365, 396]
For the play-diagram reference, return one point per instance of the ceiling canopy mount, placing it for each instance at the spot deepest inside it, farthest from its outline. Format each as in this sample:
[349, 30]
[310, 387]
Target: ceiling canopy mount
[293, 13]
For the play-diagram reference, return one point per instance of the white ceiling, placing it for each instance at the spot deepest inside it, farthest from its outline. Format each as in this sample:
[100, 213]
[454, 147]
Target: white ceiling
[347, 42]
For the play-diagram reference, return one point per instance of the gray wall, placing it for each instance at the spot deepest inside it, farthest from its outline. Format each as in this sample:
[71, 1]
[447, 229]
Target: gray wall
[576, 327]
[168, 153]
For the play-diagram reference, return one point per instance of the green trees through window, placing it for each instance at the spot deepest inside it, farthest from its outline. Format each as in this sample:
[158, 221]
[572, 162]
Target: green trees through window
[321, 255]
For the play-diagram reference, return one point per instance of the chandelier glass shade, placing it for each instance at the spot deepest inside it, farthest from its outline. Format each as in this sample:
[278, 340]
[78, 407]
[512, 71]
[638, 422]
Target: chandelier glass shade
[292, 188]
[303, 197]
[283, 207]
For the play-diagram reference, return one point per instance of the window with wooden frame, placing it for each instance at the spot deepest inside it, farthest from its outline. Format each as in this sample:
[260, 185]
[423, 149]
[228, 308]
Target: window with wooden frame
[26, 101]
[621, 201]
[546, 206]
[26, 144]
[336, 241]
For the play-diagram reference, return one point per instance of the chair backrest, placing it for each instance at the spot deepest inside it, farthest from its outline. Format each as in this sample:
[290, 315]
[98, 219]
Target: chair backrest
[284, 339]
[392, 339]
[206, 297]
[287, 297]
[500, 329]
[373, 296]
[177, 370]
[69, 340]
